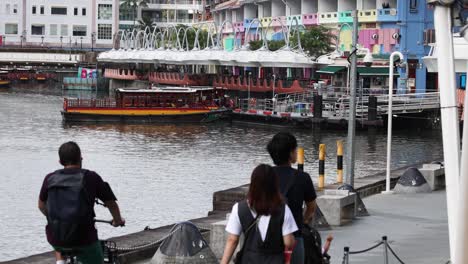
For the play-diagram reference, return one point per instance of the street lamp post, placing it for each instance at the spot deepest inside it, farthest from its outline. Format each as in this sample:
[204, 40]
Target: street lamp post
[81, 42]
[70, 49]
[450, 130]
[92, 40]
[389, 127]
[248, 91]
[42, 41]
[21, 39]
[3, 41]
[274, 84]
[61, 41]
[352, 105]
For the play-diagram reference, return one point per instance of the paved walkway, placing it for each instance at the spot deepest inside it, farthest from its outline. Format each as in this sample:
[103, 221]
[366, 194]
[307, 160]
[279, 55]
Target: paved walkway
[416, 227]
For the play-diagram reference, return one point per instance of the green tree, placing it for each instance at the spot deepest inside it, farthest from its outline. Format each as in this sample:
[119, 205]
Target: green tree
[272, 44]
[202, 36]
[144, 22]
[315, 41]
[133, 6]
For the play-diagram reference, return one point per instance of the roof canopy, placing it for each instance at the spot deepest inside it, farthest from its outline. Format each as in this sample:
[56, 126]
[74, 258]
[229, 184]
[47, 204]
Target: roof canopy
[460, 48]
[170, 46]
[374, 71]
[331, 69]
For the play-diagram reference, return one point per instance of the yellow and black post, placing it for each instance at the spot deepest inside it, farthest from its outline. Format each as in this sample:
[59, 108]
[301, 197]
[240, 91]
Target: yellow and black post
[300, 159]
[339, 161]
[322, 154]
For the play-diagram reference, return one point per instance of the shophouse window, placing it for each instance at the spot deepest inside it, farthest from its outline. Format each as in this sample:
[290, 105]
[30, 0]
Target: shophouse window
[105, 12]
[11, 29]
[42, 10]
[83, 12]
[15, 9]
[64, 30]
[79, 30]
[104, 31]
[7, 8]
[34, 10]
[413, 6]
[58, 10]
[53, 29]
[37, 29]
[75, 11]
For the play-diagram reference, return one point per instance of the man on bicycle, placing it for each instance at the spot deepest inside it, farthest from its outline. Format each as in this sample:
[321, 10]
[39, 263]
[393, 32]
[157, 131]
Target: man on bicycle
[67, 200]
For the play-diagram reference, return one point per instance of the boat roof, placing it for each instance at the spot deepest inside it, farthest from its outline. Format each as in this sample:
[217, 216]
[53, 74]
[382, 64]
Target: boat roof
[168, 89]
[3, 72]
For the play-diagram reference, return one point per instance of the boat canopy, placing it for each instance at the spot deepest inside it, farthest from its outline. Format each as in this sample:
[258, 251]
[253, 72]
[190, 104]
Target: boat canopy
[166, 90]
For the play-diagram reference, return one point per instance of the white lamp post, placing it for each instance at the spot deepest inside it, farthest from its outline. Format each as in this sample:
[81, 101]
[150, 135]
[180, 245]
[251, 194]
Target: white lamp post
[389, 127]
[462, 239]
[449, 117]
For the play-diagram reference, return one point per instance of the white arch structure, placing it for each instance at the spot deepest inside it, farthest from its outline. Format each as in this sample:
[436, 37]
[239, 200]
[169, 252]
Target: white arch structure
[170, 45]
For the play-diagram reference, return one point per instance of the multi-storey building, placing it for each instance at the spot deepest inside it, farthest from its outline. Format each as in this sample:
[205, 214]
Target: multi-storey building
[164, 12]
[384, 26]
[65, 23]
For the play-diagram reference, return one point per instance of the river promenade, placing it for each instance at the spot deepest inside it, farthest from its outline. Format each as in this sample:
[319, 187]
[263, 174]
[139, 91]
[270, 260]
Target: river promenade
[415, 224]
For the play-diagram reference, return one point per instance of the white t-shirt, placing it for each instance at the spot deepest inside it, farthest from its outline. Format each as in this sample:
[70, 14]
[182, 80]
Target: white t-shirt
[234, 225]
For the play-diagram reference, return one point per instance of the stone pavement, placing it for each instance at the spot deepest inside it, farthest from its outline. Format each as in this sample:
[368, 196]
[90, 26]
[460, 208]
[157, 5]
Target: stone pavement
[415, 224]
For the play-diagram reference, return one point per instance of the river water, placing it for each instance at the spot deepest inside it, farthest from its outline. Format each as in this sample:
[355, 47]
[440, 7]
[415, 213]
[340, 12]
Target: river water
[161, 174]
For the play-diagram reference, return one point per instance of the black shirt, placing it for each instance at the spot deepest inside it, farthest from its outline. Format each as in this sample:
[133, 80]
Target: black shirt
[301, 191]
[95, 188]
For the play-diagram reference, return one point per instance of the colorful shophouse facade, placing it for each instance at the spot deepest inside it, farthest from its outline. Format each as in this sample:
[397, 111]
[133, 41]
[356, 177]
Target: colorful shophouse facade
[384, 27]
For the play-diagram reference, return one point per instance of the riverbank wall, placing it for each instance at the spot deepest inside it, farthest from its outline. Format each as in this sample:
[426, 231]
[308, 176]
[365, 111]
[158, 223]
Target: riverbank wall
[142, 245]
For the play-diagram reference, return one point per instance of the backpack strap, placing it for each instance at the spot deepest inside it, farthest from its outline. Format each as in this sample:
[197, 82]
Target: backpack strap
[245, 216]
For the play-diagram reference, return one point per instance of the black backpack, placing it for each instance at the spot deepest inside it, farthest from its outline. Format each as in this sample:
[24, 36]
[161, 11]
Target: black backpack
[69, 210]
[313, 247]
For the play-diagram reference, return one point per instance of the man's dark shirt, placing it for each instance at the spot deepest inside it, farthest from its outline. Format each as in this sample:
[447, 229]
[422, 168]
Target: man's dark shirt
[301, 191]
[95, 188]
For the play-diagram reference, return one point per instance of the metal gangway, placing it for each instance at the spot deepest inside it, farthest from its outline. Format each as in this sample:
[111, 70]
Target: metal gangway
[402, 104]
[280, 103]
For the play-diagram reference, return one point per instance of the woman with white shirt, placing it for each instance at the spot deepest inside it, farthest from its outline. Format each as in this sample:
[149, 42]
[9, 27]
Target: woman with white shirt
[265, 218]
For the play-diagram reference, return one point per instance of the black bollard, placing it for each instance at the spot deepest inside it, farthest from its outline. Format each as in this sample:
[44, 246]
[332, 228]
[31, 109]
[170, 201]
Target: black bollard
[372, 109]
[318, 107]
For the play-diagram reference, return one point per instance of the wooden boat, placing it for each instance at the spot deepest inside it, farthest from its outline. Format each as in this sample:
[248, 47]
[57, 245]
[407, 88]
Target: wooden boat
[41, 76]
[23, 74]
[154, 105]
[4, 80]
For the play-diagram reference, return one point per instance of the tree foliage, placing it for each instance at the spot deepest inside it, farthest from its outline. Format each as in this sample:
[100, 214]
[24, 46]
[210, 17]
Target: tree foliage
[144, 22]
[133, 6]
[272, 44]
[315, 41]
[191, 34]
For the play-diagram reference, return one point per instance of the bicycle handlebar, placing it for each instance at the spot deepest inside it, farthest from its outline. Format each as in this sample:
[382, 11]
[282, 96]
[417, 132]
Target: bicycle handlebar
[105, 221]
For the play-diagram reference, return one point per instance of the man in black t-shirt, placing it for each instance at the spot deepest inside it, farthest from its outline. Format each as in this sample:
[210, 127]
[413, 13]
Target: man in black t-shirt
[297, 187]
[87, 243]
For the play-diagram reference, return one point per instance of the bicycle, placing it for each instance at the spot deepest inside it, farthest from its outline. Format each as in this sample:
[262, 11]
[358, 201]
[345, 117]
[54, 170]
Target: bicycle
[108, 249]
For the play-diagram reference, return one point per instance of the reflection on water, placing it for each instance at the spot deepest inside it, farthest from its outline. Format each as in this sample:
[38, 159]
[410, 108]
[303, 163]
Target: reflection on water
[160, 173]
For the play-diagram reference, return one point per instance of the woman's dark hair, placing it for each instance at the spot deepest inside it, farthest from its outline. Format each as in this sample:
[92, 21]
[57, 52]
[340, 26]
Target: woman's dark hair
[264, 194]
[69, 153]
[281, 146]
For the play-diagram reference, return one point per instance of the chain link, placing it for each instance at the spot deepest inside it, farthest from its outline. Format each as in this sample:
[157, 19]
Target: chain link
[127, 249]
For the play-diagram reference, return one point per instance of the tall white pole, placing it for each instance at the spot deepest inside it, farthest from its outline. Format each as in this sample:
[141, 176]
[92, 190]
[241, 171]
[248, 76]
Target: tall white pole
[449, 116]
[389, 126]
[461, 254]
[350, 150]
